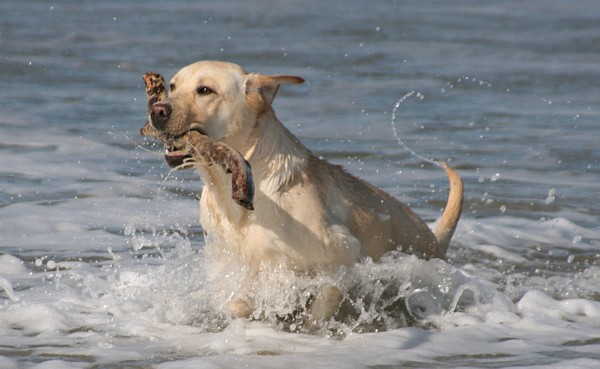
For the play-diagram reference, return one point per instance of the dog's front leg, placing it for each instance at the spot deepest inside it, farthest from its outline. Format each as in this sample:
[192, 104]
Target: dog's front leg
[214, 152]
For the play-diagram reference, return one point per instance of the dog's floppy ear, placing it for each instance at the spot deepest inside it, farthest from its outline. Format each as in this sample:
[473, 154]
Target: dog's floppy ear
[262, 89]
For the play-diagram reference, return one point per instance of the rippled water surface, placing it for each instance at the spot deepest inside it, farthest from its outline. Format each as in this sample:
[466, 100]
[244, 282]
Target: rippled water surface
[102, 260]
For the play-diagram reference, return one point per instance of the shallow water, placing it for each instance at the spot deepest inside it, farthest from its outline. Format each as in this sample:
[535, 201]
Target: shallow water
[102, 259]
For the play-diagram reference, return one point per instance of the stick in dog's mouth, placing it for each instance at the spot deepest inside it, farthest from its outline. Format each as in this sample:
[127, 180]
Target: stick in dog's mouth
[177, 156]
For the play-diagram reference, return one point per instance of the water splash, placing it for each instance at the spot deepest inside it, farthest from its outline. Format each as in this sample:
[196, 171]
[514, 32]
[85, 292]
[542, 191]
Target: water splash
[395, 131]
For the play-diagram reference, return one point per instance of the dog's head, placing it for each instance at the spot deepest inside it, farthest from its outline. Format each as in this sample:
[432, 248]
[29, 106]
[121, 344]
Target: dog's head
[217, 99]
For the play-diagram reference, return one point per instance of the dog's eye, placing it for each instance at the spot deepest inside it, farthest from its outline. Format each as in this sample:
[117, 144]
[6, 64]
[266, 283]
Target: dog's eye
[171, 87]
[203, 90]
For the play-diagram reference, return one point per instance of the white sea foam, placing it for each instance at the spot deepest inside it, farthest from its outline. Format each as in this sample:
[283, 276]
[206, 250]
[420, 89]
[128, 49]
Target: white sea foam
[145, 308]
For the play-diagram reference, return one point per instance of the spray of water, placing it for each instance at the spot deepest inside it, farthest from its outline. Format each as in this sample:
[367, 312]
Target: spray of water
[396, 133]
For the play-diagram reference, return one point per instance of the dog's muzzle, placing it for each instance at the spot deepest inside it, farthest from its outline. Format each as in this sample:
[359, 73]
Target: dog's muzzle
[160, 113]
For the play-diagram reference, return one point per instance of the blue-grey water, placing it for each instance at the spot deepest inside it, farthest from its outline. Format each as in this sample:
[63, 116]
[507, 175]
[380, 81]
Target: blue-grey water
[101, 253]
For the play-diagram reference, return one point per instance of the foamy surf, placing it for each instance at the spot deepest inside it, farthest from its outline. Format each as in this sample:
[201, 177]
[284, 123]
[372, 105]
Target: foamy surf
[163, 309]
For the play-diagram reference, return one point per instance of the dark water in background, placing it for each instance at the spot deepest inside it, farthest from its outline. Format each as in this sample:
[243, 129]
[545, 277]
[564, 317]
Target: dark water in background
[511, 97]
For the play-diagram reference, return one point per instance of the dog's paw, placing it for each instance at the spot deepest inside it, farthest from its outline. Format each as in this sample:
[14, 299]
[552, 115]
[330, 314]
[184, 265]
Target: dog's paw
[326, 303]
[240, 308]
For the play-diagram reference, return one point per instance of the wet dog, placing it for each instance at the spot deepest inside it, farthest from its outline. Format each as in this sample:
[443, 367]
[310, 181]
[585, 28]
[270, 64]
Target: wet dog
[308, 214]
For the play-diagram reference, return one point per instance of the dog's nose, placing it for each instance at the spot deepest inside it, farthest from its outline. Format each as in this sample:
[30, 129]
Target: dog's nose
[160, 114]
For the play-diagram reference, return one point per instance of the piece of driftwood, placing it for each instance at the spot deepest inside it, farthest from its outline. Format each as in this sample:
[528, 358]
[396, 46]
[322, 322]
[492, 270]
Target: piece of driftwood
[193, 146]
[155, 92]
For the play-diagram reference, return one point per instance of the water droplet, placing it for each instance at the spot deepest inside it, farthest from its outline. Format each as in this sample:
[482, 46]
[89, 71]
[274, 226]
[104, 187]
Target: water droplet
[551, 196]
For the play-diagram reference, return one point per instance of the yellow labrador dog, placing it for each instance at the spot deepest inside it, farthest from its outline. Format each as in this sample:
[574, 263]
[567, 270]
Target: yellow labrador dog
[309, 215]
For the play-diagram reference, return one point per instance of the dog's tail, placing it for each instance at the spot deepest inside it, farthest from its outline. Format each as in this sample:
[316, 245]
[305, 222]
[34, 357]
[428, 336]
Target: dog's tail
[447, 224]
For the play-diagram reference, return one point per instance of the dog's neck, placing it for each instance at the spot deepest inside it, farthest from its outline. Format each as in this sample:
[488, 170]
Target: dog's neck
[277, 156]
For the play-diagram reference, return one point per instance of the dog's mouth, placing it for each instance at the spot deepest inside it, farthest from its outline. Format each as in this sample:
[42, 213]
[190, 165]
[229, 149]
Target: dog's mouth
[179, 157]
[176, 158]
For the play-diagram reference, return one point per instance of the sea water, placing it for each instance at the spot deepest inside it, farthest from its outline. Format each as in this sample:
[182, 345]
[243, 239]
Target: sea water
[102, 259]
